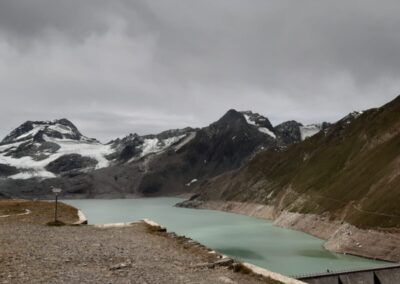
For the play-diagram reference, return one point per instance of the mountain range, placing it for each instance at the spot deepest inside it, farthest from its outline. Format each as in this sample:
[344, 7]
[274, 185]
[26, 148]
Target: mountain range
[40, 154]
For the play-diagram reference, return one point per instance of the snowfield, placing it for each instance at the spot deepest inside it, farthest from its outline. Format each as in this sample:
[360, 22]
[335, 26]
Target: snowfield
[155, 146]
[33, 168]
[85, 147]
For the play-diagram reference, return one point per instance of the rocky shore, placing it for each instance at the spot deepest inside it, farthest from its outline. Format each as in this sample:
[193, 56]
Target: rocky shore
[339, 236]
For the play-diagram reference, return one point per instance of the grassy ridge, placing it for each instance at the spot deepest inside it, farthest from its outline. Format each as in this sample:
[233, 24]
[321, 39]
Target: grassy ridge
[353, 169]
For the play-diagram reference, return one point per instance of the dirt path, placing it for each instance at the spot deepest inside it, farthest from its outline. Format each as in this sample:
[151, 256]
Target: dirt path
[24, 212]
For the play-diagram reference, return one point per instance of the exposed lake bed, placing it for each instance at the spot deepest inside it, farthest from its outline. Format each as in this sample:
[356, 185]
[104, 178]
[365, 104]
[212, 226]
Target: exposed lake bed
[248, 239]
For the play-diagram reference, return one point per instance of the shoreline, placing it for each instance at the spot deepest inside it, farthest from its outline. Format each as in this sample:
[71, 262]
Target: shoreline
[339, 237]
[224, 260]
[254, 269]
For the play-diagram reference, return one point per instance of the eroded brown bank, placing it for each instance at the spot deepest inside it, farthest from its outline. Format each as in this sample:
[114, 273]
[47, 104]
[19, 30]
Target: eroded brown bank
[339, 236]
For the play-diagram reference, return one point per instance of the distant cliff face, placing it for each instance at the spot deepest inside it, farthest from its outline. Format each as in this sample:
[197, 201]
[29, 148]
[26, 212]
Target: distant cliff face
[349, 171]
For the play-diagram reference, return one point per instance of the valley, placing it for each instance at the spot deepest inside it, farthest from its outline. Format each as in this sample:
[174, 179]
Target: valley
[338, 182]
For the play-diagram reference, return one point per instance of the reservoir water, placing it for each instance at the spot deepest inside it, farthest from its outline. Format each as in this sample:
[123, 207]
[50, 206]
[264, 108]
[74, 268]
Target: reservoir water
[245, 238]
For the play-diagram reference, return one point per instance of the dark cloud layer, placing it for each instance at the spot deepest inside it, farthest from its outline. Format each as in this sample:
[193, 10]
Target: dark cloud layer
[122, 66]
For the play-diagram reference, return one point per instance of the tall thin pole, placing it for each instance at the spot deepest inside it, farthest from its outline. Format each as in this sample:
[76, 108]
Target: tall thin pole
[55, 210]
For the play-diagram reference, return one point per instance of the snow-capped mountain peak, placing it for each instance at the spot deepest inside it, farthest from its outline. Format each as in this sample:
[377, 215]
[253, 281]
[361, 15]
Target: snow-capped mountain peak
[47, 148]
[37, 130]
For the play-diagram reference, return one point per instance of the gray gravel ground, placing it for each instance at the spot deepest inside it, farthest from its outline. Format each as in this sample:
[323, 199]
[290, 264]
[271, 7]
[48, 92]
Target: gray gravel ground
[34, 253]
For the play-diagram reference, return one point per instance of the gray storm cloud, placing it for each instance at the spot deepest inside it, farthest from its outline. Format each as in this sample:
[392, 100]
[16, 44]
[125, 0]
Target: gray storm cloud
[115, 67]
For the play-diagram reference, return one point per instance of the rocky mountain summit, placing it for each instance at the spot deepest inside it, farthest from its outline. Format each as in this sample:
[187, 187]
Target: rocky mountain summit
[37, 130]
[40, 153]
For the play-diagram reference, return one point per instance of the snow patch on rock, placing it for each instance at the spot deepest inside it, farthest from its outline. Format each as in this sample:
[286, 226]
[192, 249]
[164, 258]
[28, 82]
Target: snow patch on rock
[188, 138]
[309, 130]
[267, 131]
[261, 129]
[156, 145]
[192, 182]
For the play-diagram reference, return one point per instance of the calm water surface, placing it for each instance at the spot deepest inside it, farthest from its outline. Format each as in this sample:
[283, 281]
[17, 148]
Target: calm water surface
[249, 239]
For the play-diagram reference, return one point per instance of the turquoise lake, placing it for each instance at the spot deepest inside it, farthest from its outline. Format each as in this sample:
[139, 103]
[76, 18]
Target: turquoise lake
[248, 239]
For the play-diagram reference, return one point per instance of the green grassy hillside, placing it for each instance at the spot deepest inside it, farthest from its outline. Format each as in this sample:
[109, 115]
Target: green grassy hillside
[351, 171]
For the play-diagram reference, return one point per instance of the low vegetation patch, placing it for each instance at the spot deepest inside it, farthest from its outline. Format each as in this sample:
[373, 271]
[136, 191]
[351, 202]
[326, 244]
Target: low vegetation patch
[11, 211]
[39, 212]
[350, 171]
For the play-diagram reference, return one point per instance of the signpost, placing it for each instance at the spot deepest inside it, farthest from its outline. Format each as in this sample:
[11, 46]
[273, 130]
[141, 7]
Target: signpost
[56, 191]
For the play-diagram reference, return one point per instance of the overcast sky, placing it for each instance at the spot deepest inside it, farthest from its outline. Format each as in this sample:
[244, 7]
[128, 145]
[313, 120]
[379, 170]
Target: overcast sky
[121, 66]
